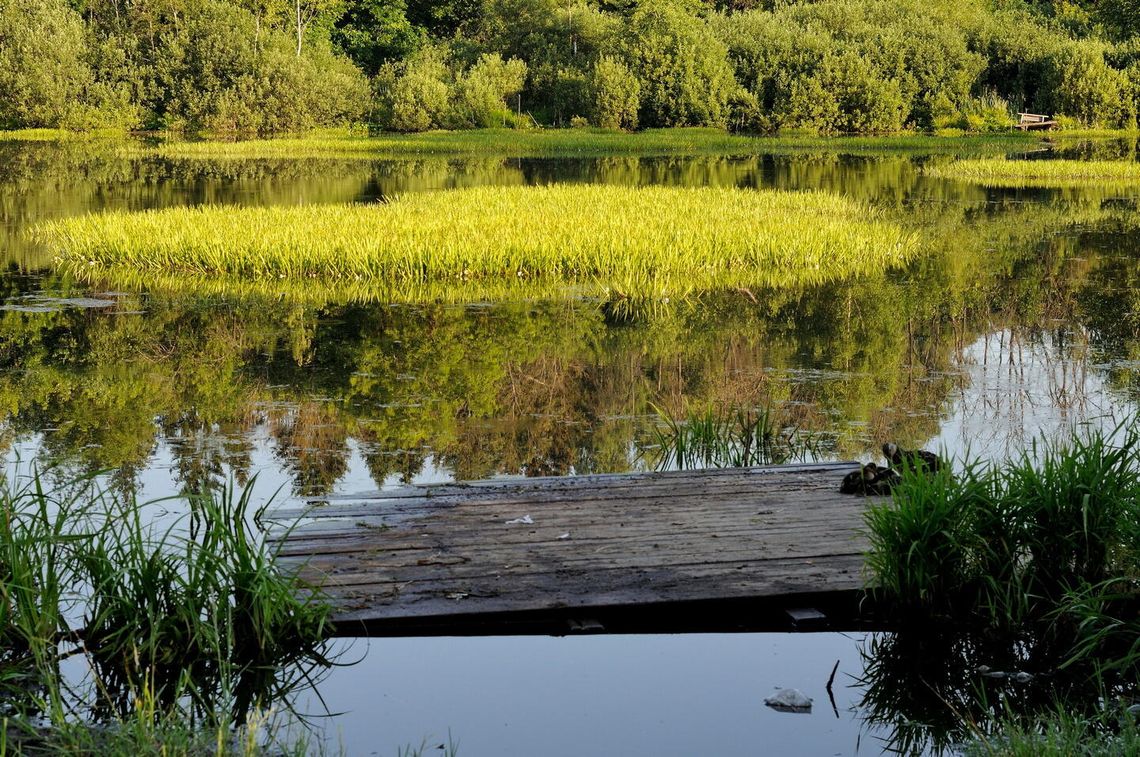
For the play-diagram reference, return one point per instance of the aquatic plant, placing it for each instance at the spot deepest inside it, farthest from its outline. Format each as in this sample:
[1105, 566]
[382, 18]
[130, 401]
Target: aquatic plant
[649, 241]
[717, 438]
[999, 172]
[1048, 538]
[190, 629]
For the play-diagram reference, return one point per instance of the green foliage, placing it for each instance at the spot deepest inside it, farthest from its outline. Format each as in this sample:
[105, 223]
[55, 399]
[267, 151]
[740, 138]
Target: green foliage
[193, 626]
[999, 172]
[683, 67]
[1121, 17]
[1036, 540]
[373, 32]
[615, 94]
[423, 92]
[415, 94]
[1084, 87]
[719, 439]
[45, 76]
[850, 66]
[483, 90]
[216, 75]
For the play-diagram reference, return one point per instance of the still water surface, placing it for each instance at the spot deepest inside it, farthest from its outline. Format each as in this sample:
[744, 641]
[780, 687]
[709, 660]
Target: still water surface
[1021, 318]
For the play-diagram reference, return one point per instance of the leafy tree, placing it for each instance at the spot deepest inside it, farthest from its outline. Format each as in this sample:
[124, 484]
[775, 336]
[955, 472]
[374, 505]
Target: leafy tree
[42, 68]
[1121, 17]
[483, 90]
[683, 68]
[1084, 87]
[414, 94]
[372, 32]
[616, 94]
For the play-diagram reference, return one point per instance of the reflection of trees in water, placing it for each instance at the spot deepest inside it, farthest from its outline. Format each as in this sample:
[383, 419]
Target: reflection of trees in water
[535, 388]
[561, 385]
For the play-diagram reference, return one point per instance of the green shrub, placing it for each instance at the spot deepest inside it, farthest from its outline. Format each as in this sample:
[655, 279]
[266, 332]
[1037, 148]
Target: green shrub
[1083, 86]
[685, 79]
[415, 94]
[42, 67]
[615, 94]
[483, 90]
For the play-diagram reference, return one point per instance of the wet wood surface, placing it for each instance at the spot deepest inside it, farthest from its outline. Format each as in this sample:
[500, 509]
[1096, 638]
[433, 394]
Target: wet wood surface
[461, 550]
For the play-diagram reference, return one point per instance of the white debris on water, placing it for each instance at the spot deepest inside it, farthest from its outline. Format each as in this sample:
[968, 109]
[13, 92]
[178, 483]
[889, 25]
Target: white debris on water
[789, 700]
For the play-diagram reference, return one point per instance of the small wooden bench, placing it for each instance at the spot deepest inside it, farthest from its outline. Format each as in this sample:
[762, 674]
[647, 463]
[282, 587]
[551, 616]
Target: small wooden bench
[1034, 121]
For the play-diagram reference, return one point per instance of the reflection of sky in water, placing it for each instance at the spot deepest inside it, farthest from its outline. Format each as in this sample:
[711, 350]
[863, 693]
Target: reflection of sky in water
[597, 695]
[1016, 391]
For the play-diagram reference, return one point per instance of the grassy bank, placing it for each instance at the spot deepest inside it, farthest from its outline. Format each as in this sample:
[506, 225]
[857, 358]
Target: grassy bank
[653, 241]
[580, 143]
[1041, 173]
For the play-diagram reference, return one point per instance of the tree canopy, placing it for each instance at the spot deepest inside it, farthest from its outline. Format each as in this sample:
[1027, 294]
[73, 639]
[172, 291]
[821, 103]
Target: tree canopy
[840, 66]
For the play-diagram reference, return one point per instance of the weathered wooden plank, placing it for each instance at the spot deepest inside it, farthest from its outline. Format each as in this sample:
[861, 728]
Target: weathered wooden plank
[606, 523]
[605, 588]
[438, 551]
[566, 488]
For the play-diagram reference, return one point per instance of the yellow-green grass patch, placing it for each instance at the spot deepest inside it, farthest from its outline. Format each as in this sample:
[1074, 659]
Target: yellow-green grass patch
[1040, 173]
[649, 241]
[576, 142]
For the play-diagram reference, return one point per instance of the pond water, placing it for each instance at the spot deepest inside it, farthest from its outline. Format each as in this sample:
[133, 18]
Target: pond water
[1020, 318]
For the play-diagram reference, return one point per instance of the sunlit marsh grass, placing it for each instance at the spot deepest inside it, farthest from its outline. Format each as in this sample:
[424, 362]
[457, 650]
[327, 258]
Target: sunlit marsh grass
[652, 241]
[1040, 173]
[580, 143]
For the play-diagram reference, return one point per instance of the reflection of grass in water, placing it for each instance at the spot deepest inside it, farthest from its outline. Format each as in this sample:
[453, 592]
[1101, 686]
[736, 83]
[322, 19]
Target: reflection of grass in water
[651, 241]
[720, 439]
[999, 172]
[579, 143]
[926, 687]
[188, 634]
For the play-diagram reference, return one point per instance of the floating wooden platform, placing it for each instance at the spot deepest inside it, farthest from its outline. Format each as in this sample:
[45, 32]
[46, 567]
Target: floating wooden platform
[481, 556]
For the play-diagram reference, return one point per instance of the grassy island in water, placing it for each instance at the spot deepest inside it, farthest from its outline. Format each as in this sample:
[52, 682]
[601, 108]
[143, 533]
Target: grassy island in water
[649, 241]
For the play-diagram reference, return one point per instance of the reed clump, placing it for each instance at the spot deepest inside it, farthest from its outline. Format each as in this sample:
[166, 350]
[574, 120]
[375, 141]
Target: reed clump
[999, 172]
[650, 241]
[719, 438]
[1050, 540]
[190, 631]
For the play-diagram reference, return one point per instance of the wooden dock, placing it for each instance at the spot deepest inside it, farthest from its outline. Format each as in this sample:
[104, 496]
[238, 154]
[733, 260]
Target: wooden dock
[489, 556]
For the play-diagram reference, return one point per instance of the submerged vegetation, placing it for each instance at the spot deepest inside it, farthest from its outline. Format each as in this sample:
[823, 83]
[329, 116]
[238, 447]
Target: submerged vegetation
[687, 239]
[1041, 173]
[188, 629]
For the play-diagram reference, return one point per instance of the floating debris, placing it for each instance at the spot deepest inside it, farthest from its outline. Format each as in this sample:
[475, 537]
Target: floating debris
[525, 520]
[789, 700]
[44, 304]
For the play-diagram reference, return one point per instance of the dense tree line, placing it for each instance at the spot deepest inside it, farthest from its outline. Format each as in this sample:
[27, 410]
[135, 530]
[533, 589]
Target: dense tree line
[829, 65]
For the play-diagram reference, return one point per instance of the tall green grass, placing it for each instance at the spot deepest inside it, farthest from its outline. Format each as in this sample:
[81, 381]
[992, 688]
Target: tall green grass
[998, 172]
[1050, 538]
[577, 143]
[716, 438]
[189, 630]
[649, 241]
